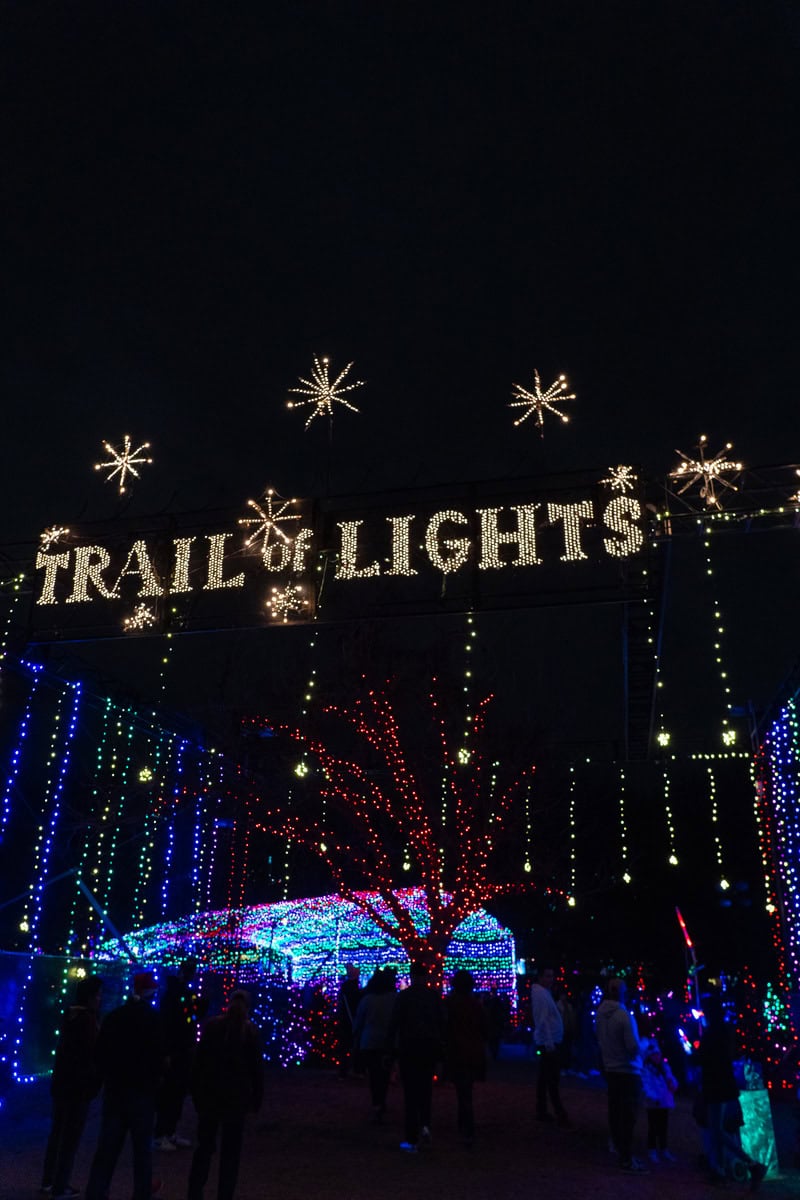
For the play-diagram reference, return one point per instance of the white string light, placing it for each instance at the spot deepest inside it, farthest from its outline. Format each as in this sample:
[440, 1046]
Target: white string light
[620, 479]
[571, 515]
[538, 402]
[142, 617]
[268, 522]
[124, 462]
[285, 603]
[321, 393]
[708, 472]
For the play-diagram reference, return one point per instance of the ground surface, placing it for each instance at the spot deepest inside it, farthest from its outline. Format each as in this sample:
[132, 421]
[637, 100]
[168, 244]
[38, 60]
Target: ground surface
[313, 1140]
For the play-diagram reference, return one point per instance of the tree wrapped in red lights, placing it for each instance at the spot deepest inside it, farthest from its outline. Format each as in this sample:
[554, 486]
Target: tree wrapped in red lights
[446, 824]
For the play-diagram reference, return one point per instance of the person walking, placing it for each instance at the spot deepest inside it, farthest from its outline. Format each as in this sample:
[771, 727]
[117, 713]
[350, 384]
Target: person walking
[416, 1031]
[75, 1082]
[548, 1034]
[178, 1013]
[130, 1059]
[370, 1035]
[621, 1060]
[346, 1008]
[467, 1035]
[227, 1083]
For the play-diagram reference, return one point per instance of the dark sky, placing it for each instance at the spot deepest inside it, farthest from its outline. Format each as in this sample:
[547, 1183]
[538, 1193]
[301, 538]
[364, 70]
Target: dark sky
[198, 198]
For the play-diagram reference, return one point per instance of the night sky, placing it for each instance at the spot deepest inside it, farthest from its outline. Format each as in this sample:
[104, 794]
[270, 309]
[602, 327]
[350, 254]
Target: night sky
[199, 198]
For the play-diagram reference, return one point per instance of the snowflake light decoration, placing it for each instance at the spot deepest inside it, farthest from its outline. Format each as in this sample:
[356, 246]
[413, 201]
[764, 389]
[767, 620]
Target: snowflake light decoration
[287, 602]
[142, 617]
[123, 462]
[52, 536]
[620, 479]
[708, 472]
[268, 521]
[537, 401]
[321, 393]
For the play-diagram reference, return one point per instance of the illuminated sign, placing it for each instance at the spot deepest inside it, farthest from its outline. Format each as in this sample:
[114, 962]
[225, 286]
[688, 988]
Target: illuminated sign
[362, 553]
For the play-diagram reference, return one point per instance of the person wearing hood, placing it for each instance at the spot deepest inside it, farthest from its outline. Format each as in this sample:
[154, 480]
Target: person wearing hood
[618, 1039]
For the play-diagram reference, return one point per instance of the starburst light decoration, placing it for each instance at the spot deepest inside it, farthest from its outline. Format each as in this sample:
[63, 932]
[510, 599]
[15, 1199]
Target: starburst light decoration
[287, 602]
[537, 401]
[269, 519]
[123, 462]
[708, 472]
[321, 393]
[52, 536]
[620, 479]
[142, 617]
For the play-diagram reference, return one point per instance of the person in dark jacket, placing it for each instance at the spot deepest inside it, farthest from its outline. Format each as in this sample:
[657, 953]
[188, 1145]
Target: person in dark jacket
[227, 1083]
[370, 1033]
[465, 1056]
[346, 1009]
[720, 1095]
[74, 1083]
[416, 1031]
[130, 1058]
[178, 1013]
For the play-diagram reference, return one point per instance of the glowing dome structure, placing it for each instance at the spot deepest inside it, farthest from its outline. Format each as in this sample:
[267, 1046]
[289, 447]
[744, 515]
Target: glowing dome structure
[300, 942]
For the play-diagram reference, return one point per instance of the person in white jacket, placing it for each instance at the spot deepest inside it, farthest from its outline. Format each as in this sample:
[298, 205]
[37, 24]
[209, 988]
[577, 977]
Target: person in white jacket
[548, 1034]
[621, 1060]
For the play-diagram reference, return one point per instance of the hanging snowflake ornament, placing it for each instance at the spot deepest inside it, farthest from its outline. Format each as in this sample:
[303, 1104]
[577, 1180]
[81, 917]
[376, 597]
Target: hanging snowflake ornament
[537, 401]
[268, 521]
[123, 462]
[287, 602]
[620, 479]
[142, 617]
[320, 393]
[52, 536]
[707, 472]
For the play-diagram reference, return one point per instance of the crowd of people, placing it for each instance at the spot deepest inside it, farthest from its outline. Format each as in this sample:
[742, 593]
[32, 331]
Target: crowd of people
[147, 1059]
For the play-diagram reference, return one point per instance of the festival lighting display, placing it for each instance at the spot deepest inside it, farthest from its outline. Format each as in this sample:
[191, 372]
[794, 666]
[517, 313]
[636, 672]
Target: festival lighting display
[123, 462]
[539, 402]
[268, 522]
[309, 940]
[142, 617]
[458, 858]
[287, 602]
[778, 778]
[321, 394]
[52, 536]
[138, 848]
[621, 479]
[707, 472]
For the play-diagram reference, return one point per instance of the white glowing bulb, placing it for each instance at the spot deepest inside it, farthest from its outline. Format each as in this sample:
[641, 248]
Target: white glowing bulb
[301, 769]
[662, 737]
